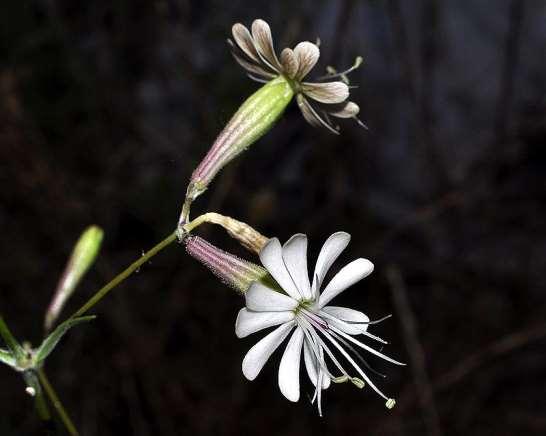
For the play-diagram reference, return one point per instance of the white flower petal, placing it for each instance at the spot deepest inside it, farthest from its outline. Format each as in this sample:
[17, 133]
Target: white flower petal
[329, 252]
[249, 322]
[346, 314]
[294, 254]
[289, 369]
[262, 299]
[243, 39]
[349, 110]
[350, 321]
[271, 257]
[348, 276]
[258, 355]
[329, 93]
[313, 117]
[289, 62]
[312, 365]
[261, 34]
[307, 54]
[251, 67]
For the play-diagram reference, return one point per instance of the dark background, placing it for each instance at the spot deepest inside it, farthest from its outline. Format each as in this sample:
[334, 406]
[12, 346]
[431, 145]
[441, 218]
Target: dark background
[107, 106]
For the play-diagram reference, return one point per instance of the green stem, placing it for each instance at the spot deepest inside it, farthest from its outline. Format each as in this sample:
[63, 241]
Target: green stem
[41, 407]
[54, 398]
[99, 295]
[10, 341]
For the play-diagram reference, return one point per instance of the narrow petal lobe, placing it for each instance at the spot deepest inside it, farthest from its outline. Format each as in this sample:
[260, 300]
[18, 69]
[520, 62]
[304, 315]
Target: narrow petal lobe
[329, 93]
[271, 258]
[349, 110]
[294, 254]
[348, 276]
[329, 252]
[259, 354]
[261, 33]
[242, 37]
[307, 54]
[249, 322]
[289, 62]
[262, 299]
[289, 369]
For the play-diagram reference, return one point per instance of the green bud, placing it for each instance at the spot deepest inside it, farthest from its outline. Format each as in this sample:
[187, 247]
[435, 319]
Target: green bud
[253, 119]
[83, 256]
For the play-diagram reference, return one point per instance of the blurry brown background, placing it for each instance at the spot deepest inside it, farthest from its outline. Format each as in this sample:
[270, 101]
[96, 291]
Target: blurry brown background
[105, 109]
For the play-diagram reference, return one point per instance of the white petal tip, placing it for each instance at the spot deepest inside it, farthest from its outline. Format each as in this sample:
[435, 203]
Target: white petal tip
[249, 374]
[291, 395]
[365, 266]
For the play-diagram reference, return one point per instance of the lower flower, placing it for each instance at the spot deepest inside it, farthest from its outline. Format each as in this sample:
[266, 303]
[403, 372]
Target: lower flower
[325, 334]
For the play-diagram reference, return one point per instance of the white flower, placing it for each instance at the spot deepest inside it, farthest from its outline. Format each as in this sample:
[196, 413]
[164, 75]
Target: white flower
[325, 333]
[317, 100]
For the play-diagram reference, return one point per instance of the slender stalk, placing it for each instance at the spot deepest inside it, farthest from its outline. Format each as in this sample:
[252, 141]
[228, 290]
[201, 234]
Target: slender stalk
[99, 295]
[59, 408]
[10, 340]
[197, 222]
[41, 407]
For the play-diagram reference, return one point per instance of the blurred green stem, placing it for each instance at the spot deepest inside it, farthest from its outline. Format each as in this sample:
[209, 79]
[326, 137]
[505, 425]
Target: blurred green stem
[54, 398]
[101, 293]
[41, 407]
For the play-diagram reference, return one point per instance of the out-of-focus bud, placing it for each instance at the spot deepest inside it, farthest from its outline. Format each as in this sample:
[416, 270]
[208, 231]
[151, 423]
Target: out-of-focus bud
[83, 256]
[232, 270]
[253, 119]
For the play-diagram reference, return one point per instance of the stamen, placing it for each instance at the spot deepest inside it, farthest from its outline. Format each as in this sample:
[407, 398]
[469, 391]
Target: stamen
[352, 362]
[332, 72]
[390, 403]
[308, 331]
[360, 123]
[319, 394]
[357, 355]
[363, 332]
[377, 321]
[366, 347]
[358, 382]
[315, 317]
[328, 351]
[341, 379]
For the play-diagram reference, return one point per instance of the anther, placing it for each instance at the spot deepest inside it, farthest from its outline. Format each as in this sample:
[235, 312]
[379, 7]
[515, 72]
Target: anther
[341, 379]
[358, 382]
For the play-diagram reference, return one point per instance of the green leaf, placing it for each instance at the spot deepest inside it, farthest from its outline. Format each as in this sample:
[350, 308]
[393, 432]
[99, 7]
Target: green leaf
[16, 350]
[7, 358]
[49, 343]
[84, 254]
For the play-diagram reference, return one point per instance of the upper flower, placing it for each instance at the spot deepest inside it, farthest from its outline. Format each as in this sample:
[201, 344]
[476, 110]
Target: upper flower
[321, 330]
[256, 54]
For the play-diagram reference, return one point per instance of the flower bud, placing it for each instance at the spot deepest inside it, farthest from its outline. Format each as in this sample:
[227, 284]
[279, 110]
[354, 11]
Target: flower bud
[253, 119]
[82, 258]
[233, 271]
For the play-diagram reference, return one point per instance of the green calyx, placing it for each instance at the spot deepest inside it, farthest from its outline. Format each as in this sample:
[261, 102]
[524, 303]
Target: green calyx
[256, 116]
[260, 111]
